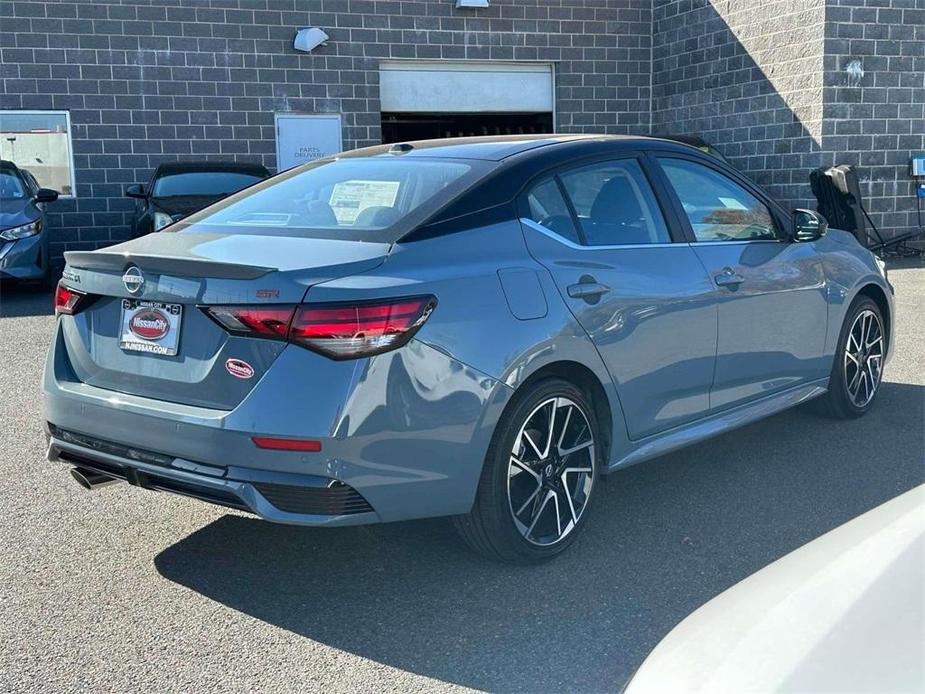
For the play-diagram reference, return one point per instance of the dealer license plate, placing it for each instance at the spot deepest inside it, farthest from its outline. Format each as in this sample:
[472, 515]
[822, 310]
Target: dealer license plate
[150, 326]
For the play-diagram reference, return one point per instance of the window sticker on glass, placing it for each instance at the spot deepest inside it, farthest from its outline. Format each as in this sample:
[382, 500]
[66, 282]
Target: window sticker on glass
[350, 198]
[732, 204]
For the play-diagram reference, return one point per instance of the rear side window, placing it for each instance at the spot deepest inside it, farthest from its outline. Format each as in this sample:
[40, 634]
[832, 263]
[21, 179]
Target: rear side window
[615, 204]
[718, 208]
[364, 198]
[547, 207]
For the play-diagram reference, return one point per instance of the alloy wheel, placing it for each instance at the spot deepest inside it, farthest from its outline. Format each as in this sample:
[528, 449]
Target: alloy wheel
[864, 358]
[551, 471]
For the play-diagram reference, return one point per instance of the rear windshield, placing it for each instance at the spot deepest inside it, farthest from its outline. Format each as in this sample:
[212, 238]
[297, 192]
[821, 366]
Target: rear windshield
[363, 198]
[211, 183]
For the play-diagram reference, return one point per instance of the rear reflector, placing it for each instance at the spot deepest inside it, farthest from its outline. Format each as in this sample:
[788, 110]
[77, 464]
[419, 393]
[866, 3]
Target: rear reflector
[339, 331]
[67, 300]
[287, 444]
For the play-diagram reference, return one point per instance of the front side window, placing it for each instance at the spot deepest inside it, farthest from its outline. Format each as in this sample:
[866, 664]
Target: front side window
[615, 204]
[39, 141]
[363, 198]
[205, 183]
[718, 208]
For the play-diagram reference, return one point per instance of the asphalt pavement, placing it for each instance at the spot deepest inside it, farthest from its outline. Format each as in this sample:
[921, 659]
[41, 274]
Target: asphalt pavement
[128, 590]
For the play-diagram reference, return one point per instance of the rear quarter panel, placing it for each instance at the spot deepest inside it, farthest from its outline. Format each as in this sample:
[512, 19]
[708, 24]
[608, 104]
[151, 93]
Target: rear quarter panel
[483, 279]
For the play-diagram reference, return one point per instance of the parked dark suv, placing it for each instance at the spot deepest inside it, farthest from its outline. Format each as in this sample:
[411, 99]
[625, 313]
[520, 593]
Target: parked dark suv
[23, 245]
[182, 187]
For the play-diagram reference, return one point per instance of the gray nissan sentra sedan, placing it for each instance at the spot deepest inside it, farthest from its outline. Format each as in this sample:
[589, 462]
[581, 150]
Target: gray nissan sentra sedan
[478, 328]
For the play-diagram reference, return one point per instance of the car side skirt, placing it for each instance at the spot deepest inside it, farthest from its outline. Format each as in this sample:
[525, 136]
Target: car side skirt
[719, 423]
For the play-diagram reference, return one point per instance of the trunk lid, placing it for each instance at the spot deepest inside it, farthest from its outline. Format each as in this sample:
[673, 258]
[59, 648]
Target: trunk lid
[179, 273]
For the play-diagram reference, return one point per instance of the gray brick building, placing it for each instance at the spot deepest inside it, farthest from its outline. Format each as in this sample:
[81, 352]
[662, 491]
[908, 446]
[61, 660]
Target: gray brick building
[780, 86]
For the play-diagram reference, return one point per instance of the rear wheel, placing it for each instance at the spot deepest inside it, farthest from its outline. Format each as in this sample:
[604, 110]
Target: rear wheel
[858, 368]
[539, 476]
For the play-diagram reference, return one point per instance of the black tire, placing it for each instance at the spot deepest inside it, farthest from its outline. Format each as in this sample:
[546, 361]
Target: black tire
[490, 527]
[839, 402]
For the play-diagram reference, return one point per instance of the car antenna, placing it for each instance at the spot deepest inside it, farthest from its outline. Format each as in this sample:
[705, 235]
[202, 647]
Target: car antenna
[401, 148]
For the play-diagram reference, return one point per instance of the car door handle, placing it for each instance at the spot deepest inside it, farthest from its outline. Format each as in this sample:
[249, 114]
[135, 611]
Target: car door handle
[587, 290]
[728, 278]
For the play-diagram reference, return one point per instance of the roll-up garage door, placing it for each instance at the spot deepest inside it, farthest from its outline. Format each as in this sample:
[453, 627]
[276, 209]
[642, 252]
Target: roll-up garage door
[422, 100]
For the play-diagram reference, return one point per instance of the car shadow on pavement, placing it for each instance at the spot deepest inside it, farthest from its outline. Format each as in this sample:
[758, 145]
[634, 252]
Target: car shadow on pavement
[17, 301]
[665, 537]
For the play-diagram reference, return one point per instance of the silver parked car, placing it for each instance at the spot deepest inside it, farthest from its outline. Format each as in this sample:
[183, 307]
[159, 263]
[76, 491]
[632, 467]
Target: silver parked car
[478, 328]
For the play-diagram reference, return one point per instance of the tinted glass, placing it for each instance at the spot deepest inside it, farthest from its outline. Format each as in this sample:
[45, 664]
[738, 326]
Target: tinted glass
[718, 208]
[211, 183]
[548, 207]
[31, 184]
[11, 187]
[341, 198]
[615, 204]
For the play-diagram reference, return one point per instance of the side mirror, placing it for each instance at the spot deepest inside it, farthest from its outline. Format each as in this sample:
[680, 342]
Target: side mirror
[136, 191]
[808, 225]
[46, 195]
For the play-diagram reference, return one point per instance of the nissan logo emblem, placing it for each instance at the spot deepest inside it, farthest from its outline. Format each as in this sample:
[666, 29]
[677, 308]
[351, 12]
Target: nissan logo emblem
[133, 280]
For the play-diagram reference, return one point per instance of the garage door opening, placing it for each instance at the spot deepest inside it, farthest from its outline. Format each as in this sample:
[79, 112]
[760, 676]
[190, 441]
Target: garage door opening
[402, 127]
[423, 100]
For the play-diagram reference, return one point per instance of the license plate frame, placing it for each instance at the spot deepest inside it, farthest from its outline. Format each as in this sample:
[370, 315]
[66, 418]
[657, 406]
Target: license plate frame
[145, 333]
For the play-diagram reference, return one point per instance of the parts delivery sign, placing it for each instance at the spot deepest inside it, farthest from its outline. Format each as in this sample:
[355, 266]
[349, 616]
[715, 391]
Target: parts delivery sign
[301, 138]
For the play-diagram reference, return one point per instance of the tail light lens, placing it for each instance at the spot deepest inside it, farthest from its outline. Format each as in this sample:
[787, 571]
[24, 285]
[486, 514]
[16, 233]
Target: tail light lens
[339, 331]
[254, 321]
[68, 301]
[345, 332]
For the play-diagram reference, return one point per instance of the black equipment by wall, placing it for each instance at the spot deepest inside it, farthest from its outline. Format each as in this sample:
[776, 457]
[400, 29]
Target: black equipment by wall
[838, 194]
[839, 199]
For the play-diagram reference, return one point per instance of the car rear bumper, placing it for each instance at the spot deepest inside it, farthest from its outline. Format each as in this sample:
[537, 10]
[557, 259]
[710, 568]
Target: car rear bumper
[406, 431]
[273, 496]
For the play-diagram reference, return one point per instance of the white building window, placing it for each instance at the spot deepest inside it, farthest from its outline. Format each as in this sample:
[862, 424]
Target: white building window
[40, 142]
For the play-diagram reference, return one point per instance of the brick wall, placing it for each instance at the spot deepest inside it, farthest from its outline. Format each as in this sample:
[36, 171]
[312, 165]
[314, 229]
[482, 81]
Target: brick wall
[875, 100]
[748, 79]
[147, 81]
[152, 81]
[785, 86]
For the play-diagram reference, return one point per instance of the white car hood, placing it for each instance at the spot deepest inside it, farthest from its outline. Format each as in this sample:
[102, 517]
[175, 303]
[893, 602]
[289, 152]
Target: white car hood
[845, 612]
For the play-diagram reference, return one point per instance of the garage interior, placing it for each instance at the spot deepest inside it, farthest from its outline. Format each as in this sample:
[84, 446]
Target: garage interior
[402, 127]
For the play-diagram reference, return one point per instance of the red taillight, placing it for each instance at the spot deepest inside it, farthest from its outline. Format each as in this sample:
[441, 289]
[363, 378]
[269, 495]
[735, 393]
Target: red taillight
[254, 321]
[339, 331]
[345, 332]
[67, 300]
[276, 444]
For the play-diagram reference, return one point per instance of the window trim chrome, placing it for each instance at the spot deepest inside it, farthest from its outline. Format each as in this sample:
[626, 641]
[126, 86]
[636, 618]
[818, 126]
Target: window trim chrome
[571, 244]
[661, 244]
[735, 242]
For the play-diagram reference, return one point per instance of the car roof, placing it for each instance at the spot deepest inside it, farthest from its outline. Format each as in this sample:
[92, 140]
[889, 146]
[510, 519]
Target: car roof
[5, 164]
[178, 167]
[521, 160]
[494, 148]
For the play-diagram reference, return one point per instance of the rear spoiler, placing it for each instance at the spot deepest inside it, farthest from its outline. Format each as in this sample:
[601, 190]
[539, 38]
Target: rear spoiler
[115, 261]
